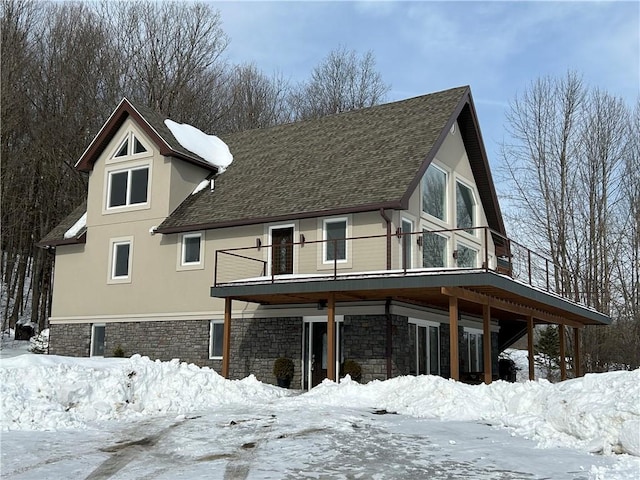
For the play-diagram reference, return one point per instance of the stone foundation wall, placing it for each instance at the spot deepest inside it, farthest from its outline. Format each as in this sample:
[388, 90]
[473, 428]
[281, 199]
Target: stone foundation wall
[72, 340]
[365, 341]
[257, 343]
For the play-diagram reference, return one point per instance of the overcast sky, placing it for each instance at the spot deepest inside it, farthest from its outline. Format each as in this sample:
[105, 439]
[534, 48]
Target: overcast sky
[497, 48]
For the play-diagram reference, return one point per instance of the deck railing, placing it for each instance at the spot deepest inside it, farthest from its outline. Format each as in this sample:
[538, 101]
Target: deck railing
[411, 253]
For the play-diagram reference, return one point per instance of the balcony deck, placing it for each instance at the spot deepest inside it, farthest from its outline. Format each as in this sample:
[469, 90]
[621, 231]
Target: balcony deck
[522, 284]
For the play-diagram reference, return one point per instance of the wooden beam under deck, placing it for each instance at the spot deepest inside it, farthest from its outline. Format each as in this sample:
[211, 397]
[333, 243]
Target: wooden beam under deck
[331, 337]
[481, 298]
[563, 357]
[226, 337]
[486, 343]
[576, 352]
[532, 371]
[454, 358]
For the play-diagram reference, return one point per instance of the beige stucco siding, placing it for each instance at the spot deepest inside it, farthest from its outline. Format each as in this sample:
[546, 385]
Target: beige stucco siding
[159, 286]
[452, 158]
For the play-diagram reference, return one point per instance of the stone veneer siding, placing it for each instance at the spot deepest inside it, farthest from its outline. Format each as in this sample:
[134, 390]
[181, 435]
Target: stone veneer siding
[72, 340]
[256, 344]
[365, 341]
[186, 340]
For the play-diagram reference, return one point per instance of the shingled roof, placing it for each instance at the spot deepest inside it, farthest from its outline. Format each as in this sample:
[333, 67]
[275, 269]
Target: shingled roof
[56, 236]
[357, 161]
[153, 125]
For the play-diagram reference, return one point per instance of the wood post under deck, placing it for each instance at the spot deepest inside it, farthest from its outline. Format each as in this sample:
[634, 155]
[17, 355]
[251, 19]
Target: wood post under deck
[576, 352]
[226, 338]
[331, 338]
[486, 343]
[454, 358]
[532, 371]
[563, 356]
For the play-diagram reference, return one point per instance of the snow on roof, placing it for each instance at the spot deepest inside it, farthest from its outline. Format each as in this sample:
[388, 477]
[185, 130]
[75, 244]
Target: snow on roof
[76, 227]
[209, 147]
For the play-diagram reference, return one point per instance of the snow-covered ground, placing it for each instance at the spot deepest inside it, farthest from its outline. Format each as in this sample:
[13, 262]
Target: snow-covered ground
[134, 418]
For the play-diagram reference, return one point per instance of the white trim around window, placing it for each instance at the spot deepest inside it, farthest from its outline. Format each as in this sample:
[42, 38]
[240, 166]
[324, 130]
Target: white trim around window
[216, 339]
[97, 340]
[335, 228]
[130, 192]
[438, 210]
[120, 260]
[466, 194]
[408, 242]
[191, 251]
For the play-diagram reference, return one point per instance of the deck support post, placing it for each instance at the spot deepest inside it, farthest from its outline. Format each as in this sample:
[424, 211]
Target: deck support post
[532, 371]
[331, 337]
[563, 356]
[576, 352]
[226, 337]
[486, 343]
[454, 359]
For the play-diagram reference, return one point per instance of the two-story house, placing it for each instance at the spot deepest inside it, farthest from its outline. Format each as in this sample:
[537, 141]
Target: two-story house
[373, 235]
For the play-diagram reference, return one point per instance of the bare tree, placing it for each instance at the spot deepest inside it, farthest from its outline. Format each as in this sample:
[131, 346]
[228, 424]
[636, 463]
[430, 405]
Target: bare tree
[343, 81]
[171, 57]
[256, 100]
[566, 165]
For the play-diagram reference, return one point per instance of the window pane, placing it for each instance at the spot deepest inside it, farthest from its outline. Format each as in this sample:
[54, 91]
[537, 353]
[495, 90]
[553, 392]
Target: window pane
[466, 257]
[473, 352]
[336, 231]
[123, 149]
[434, 350]
[465, 207]
[98, 340]
[137, 146]
[434, 190]
[139, 181]
[434, 248]
[118, 193]
[191, 249]
[464, 353]
[121, 260]
[407, 260]
[217, 335]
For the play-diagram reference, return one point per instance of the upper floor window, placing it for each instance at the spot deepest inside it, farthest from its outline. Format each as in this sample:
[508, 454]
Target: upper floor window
[434, 192]
[335, 234]
[465, 208]
[128, 187]
[434, 250]
[130, 146]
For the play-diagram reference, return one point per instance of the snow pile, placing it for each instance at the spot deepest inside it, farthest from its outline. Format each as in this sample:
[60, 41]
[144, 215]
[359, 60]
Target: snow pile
[76, 227]
[598, 413]
[209, 147]
[42, 392]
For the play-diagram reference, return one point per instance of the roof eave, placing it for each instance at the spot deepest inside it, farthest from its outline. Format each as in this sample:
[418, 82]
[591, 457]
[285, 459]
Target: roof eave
[394, 205]
[124, 110]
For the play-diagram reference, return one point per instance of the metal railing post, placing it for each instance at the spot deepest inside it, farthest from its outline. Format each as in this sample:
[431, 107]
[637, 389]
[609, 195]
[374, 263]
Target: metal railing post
[215, 270]
[546, 261]
[486, 249]
[335, 258]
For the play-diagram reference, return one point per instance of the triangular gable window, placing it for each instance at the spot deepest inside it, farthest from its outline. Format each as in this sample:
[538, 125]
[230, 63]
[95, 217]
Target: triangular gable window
[123, 150]
[137, 146]
[131, 146]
